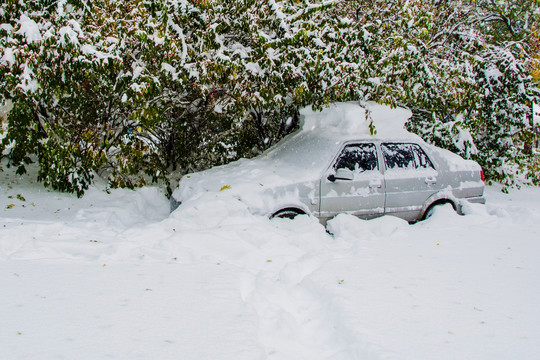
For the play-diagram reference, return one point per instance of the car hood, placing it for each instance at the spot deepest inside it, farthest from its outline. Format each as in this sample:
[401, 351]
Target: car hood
[298, 161]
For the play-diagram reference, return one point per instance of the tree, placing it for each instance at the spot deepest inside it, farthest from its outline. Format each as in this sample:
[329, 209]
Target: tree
[462, 68]
[132, 90]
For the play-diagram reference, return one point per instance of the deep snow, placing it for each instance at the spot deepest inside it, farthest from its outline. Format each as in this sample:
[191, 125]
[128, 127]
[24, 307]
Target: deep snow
[116, 276]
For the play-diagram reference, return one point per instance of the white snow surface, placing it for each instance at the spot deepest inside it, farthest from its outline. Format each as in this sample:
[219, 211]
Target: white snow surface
[116, 276]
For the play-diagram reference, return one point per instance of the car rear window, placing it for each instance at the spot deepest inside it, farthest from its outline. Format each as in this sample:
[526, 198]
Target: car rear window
[405, 156]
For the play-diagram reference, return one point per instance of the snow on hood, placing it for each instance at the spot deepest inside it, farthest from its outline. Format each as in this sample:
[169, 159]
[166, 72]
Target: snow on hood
[301, 157]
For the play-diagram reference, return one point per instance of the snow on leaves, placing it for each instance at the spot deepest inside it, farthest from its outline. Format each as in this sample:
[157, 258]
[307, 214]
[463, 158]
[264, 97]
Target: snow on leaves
[134, 89]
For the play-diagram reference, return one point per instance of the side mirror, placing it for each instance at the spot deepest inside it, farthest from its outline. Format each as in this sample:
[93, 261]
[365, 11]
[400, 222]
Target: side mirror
[341, 174]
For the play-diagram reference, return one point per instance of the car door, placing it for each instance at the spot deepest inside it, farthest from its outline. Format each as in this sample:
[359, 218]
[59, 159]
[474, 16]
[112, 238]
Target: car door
[410, 177]
[354, 183]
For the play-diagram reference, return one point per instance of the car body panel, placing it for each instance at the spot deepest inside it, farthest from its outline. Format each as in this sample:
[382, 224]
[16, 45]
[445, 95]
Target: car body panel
[363, 196]
[406, 191]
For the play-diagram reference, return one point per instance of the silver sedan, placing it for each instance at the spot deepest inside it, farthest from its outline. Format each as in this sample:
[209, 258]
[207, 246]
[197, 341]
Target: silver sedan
[323, 174]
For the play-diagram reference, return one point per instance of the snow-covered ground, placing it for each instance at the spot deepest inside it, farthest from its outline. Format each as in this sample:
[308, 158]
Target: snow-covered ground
[116, 276]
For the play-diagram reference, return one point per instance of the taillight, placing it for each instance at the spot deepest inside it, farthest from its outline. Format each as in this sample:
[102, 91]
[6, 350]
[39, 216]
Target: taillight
[482, 176]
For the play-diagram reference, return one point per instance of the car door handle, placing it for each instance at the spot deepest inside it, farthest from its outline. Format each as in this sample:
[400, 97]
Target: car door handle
[431, 180]
[375, 184]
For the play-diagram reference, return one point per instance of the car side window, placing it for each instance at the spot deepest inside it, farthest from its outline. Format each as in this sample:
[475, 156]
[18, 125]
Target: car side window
[358, 157]
[420, 157]
[398, 156]
[405, 156]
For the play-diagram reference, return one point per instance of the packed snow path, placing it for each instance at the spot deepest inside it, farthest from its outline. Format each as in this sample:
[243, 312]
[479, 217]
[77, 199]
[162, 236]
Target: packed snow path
[115, 276]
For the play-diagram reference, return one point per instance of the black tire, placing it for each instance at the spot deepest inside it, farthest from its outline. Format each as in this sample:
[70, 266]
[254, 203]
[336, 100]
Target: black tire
[431, 208]
[289, 213]
[429, 212]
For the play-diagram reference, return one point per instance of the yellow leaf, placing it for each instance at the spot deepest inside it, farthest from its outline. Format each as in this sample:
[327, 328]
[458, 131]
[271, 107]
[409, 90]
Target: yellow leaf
[10, 206]
[225, 187]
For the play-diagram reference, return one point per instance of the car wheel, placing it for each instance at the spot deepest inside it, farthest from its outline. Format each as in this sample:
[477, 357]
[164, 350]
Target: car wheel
[429, 212]
[289, 213]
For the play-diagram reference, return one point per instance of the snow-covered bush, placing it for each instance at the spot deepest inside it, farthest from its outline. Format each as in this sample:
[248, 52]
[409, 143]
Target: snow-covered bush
[479, 91]
[132, 90]
[63, 68]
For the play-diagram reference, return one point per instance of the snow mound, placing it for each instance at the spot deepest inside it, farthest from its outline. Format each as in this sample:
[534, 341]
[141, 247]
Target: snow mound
[213, 281]
[345, 225]
[211, 211]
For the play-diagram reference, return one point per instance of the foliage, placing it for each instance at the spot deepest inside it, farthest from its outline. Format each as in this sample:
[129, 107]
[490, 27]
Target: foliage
[134, 89]
[463, 69]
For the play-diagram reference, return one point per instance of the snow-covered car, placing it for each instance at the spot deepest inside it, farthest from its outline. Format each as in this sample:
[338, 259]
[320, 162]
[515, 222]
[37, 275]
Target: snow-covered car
[334, 165]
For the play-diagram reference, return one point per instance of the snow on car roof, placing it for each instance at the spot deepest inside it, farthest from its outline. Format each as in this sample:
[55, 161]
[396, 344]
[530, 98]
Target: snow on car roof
[321, 132]
[350, 120]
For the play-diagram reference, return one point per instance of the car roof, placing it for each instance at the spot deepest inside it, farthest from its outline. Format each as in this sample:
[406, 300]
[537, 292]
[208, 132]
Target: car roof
[350, 121]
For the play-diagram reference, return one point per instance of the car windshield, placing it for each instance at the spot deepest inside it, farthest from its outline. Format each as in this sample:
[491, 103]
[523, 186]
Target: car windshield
[304, 151]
